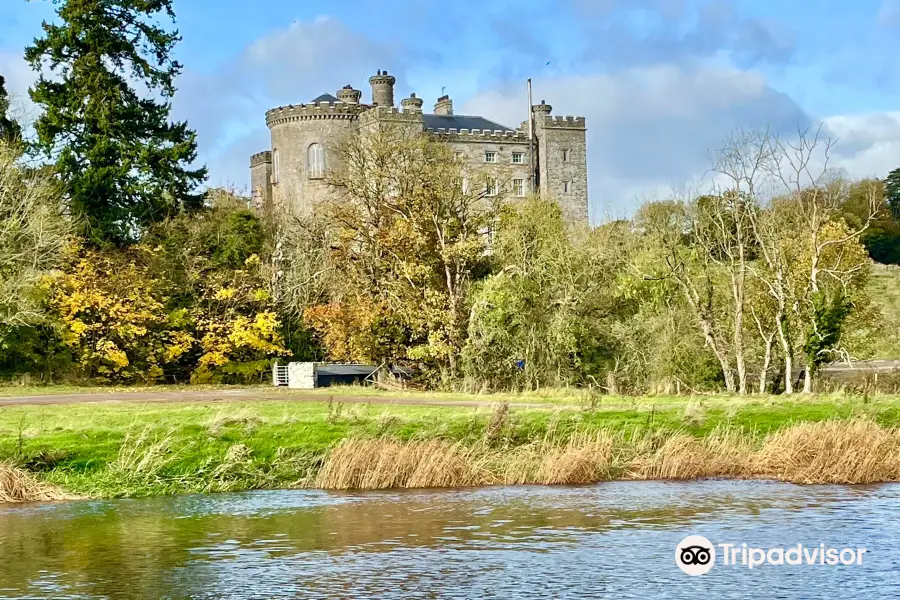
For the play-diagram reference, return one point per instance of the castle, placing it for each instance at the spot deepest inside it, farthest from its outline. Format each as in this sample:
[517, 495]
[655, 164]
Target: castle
[293, 172]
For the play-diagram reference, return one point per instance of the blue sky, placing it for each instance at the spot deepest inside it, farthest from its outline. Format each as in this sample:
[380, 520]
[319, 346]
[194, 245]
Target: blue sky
[660, 81]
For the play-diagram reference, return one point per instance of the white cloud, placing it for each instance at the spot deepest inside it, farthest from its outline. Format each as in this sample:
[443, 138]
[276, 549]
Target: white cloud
[287, 66]
[651, 128]
[868, 145]
[19, 78]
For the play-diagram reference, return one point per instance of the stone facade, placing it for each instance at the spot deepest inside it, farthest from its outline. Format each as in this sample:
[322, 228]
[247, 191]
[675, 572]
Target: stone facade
[292, 174]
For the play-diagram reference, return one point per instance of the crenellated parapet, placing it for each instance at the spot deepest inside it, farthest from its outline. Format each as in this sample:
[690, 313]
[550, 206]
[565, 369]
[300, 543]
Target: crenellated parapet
[566, 122]
[478, 135]
[385, 114]
[309, 112]
[261, 158]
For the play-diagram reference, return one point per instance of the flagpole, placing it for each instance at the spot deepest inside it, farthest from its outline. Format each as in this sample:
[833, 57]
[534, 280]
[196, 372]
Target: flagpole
[530, 139]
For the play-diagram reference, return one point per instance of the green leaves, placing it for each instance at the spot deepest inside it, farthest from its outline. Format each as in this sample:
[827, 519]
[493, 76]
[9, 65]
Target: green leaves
[124, 164]
[892, 192]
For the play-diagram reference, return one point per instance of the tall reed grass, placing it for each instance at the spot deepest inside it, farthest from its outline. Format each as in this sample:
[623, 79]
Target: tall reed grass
[854, 451]
[17, 485]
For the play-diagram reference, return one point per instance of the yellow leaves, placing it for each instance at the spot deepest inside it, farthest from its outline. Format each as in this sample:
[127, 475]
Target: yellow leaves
[116, 310]
[112, 353]
[225, 294]
[180, 342]
[213, 359]
[107, 306]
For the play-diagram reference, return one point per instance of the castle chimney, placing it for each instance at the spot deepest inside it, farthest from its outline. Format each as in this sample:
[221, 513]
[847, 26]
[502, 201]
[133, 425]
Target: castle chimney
[382, 88]
[541, 109]
[412, 104]
[444, 106]
[348, 95]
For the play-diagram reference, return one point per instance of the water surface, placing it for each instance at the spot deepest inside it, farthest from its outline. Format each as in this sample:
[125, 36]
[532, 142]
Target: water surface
[612, 540]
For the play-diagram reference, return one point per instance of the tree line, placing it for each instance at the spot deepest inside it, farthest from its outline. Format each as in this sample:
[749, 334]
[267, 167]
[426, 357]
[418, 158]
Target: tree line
[116, 266]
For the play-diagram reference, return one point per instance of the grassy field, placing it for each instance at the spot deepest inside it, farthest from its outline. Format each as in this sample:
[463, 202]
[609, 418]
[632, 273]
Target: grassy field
[884, 288]
[123, 449]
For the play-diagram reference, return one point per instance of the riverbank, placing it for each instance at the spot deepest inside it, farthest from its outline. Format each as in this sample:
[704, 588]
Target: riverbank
[156, 448]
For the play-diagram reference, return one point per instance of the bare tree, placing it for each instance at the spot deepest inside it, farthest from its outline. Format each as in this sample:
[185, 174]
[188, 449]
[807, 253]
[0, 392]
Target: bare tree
[817, 194]
[33, 236]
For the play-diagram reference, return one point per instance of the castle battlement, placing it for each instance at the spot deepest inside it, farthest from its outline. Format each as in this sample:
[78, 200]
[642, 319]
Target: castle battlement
[305, 112]
[567, 122]
[485, 135]
[261, 158]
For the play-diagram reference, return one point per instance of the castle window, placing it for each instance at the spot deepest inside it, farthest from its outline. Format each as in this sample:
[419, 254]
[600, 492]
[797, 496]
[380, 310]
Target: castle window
[490, 157]
[491, 189]
[518, 158]
[315, 161]
[567, 186]
[275, 166]
[565, 155]
[519, 187]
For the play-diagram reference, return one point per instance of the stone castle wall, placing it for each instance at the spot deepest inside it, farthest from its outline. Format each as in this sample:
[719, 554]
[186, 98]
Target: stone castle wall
[294, 128]
[556, 135]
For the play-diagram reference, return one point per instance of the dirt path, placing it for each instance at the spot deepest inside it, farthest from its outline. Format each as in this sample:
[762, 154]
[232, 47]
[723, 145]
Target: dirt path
[237, 395]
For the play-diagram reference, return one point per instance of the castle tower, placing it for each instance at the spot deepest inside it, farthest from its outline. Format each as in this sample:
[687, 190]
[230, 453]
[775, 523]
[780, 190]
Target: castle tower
[382, 88]
[562, 160]
[304, 149]
[261, 179]
[412, 104]
[348, 95]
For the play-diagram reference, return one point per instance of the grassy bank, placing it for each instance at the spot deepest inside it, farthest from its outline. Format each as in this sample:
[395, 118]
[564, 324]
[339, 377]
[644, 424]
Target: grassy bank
[119, 449]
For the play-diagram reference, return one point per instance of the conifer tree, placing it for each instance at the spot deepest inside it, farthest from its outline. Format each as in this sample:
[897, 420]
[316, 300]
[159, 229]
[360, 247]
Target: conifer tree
[892, 192]
[123, 162]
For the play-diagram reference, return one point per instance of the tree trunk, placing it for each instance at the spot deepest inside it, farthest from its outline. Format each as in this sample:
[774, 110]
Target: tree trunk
[611, 385]
[808, 381]
[739, 351]
[767, 361]
[788, 355]
[788, 374]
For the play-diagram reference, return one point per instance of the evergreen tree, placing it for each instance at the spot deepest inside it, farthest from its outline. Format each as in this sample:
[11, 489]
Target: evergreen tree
[10, 131]
[892, 192]
[125, 164]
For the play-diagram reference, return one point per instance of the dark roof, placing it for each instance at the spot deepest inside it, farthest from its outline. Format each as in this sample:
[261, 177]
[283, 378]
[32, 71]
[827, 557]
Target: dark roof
[461, 122]
[345, 369]
[325, 98]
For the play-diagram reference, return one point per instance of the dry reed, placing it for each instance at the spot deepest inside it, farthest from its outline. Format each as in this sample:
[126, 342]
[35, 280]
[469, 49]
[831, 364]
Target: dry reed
[857, 451]
[17, 485]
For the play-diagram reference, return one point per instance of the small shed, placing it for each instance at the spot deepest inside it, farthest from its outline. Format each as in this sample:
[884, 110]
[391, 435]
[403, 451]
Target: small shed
[310, 375]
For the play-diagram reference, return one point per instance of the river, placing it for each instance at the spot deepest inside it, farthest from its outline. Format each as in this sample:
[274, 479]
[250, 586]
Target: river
[613, 540]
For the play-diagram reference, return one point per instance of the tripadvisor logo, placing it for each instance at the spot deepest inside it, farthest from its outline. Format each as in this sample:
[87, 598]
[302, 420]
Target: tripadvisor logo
[696, 555]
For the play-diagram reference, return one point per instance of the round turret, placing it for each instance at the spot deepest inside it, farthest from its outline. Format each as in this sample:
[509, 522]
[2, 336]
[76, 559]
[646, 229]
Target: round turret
[412, 104]
[348, 95]
[382, 88]
[542, 109]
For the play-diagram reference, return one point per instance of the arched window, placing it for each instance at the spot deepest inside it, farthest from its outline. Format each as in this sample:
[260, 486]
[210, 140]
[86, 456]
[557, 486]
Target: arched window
[275, 166]
[315, 161]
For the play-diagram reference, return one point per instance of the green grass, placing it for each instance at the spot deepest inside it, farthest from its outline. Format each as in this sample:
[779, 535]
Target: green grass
[122, 449]
[884, 288]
